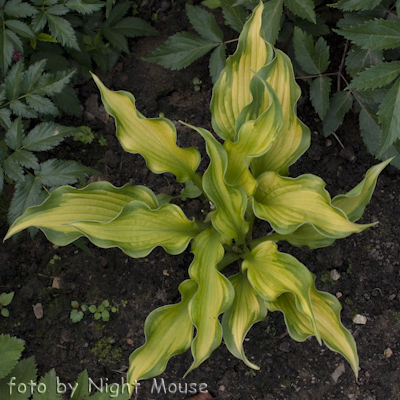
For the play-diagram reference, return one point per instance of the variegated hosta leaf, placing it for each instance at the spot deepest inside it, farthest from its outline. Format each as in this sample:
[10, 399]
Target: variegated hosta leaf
[288, 203]
[352, 203]
[169, 331]
[327, 313]
[138, 229]
[154, 139]
[255, 136]
[247, 309]
[215, 295]
[232, 91]
[99, 201]
[272, 273]
[294, 137]
[230, 201]
[305, 235]
[261, 96]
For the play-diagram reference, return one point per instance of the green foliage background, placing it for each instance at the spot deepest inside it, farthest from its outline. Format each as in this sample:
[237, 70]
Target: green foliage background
[39, 39]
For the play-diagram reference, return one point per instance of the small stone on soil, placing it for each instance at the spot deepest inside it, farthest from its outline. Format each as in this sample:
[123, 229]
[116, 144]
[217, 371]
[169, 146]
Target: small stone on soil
[38, 310]
[388, 352]
[56, 283]
[338, 372]
[360, 319]
[335, 275]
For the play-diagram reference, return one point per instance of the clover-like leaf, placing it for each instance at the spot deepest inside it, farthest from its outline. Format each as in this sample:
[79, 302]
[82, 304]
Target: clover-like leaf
[6, 298]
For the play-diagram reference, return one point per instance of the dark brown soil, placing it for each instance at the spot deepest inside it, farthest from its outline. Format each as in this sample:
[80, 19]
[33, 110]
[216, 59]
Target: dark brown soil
[368, 262]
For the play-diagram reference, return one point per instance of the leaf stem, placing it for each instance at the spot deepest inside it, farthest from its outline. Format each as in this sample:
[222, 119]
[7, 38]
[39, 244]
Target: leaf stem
[230, 41]
[250, 217]
[340, 75]
[316, 76]
[197, 180]
[256, 242]
[228, 259]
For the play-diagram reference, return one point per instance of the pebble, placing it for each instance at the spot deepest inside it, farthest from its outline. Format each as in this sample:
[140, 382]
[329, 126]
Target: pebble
[56, 283]
[38, 310]
[388, 352]
[338, 372]
[360, 319]
[335, 275]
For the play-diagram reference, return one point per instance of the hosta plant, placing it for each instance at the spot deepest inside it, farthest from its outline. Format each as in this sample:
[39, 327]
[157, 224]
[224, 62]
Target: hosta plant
[254, 113]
